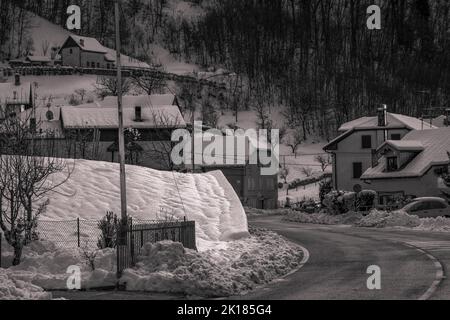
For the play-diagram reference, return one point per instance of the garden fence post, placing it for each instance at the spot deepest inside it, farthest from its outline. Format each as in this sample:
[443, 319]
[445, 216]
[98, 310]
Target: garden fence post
[78, 231]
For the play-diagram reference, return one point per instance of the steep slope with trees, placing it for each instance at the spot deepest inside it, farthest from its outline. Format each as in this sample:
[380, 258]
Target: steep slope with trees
[317, 58]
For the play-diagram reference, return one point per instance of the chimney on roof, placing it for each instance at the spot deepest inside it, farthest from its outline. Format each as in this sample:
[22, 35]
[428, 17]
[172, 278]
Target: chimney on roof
[138, 114]
[382, 116]
[17, 79]
[82, 42]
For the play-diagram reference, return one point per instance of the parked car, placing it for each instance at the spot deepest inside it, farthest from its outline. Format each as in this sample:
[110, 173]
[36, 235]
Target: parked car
[428, 208]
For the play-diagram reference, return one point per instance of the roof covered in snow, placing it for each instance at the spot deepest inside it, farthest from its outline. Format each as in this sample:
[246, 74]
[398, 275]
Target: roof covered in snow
[439, 122]
[393, 121]
[436, 148]
[107, 118]
[47, 119]
[404, 145]
[87, 43]
[39, 59]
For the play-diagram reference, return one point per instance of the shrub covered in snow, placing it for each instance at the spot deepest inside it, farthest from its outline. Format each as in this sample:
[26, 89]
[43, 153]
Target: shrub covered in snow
[339, 202]
[168, 267]
[366, 200]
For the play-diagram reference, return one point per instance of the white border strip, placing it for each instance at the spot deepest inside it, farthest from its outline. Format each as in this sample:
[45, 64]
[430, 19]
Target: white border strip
[439, 273]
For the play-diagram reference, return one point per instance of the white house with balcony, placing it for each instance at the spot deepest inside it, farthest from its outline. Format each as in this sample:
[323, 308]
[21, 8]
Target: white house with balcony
[353, 151]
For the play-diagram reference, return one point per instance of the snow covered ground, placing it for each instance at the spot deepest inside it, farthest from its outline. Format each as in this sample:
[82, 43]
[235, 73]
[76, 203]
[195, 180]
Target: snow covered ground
[164, 267]
[375, 219]
[300, 194]
[13, 289]
[246, 264]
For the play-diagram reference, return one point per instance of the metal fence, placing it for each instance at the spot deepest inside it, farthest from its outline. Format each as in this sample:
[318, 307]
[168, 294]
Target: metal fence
[69, 233]
[86, 233]
[137, 235]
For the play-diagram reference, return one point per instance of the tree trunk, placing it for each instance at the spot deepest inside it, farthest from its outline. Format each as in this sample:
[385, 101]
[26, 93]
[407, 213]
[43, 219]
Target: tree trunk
[17, 254]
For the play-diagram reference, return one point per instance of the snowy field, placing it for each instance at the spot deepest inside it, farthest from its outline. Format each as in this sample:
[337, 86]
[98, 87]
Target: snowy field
[309, 192]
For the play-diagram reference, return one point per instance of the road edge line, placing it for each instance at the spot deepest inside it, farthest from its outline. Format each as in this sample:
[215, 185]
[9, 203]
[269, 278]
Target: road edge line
[439, 277]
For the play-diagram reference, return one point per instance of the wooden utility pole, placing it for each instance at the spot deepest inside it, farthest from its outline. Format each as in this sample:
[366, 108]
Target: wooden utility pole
[123, 183]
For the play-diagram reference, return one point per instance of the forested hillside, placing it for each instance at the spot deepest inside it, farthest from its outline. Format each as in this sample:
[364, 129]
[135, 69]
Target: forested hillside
[315, 57]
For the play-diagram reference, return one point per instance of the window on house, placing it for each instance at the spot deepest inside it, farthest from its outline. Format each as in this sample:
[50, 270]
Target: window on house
[98, 64]
[396, 136]
[366, 142]
[392, 164]
[357, 170]
[93, 65]
[70, 51]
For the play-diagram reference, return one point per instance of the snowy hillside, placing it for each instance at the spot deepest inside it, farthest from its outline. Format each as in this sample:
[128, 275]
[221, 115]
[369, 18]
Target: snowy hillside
[43, 31]
[208, 199]
[47, 34]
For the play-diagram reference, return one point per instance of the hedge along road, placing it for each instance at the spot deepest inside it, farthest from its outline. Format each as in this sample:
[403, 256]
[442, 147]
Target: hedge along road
[339, 259]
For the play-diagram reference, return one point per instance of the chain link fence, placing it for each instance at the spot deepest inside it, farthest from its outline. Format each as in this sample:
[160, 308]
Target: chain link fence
[86, 233]
[69, 233]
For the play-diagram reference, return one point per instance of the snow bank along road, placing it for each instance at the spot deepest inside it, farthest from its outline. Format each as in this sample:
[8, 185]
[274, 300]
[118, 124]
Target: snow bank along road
[412, 263]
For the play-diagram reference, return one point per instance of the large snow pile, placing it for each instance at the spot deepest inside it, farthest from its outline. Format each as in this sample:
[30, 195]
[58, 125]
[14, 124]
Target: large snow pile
[163, 267]
[44, 265]
[383, 219]
[439, 224]
[208, 199]
[168, 267]
[14, 289]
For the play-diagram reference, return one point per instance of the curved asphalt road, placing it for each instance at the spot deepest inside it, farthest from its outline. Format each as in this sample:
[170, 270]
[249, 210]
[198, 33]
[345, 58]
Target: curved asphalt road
[340, 256]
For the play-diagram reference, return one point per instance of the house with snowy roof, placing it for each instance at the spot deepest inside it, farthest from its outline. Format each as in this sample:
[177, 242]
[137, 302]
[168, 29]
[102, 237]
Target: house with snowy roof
[15, 97]
[353, 150]
[411, 167]
[38, 60]
[87, 52]
[153, 127]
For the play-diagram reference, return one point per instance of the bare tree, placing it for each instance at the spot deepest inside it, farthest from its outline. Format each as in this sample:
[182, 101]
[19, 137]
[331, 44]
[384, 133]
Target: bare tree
[81, 92]
[284, 173]
[45, 45]
[160, 150]
[209, 115]
[294, 141]
[324, 161]
[107, 86]
[307, 171]
[27, 169]
[149, 84]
